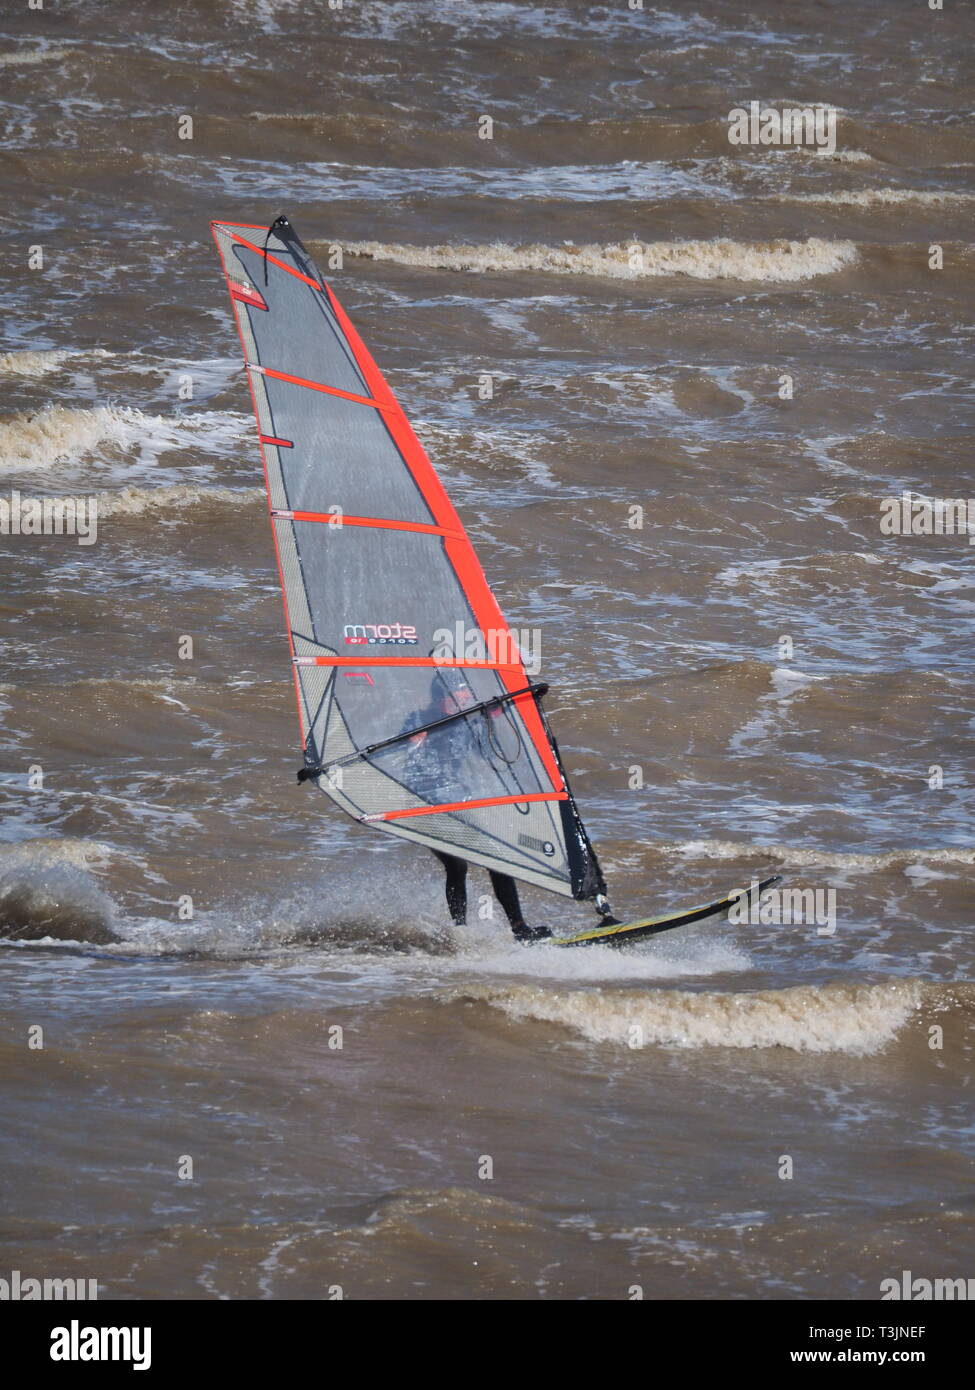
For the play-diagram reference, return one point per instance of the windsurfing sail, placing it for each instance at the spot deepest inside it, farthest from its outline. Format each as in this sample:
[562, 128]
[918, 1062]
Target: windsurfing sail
[417, 714]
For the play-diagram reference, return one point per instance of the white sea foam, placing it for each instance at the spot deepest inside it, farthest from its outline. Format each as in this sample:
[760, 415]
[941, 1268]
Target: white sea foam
[623, 181]
[854, 1019]
[137, 501]
[392, 20]
[790, 854]
[26, 57]
[877, 197]
[721, 259]
[41, 362]
[60, 435]
[844, 156]
[43, 853]
[48, 892]
[787, 685]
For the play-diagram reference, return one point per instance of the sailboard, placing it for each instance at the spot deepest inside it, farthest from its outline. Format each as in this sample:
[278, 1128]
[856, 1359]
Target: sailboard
[416, 712]
[622, 933]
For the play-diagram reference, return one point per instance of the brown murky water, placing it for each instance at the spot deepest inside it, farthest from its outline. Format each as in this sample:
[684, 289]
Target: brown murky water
[636, 1106]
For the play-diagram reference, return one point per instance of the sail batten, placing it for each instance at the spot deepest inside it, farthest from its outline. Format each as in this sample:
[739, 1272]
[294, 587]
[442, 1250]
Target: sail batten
[405, 731]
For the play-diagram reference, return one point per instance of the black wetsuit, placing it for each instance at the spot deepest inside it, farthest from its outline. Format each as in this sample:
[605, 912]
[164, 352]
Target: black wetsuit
[504, 887]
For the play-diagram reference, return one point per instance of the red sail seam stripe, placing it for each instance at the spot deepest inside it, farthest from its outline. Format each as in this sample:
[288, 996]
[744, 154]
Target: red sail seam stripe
[274, 260]
[404, 661]
[267, 489]
[281, 443]
[469, 805]
[316, 386]
[247, 296]
[460, 552]
[383, 523]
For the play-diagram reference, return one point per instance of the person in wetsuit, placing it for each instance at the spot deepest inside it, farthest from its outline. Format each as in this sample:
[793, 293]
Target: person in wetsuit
[432, 763]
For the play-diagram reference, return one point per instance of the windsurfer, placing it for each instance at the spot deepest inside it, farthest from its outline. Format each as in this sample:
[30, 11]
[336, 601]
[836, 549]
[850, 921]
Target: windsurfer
[435, 760]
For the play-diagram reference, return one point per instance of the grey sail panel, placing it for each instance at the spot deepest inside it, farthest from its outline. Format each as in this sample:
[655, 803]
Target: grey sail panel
[365, 476]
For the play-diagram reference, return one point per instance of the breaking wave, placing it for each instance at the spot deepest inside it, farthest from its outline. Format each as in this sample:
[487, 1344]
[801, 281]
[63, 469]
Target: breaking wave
[137, 501]
[721, 259]
[47, 892]
[60, 434]
[42, 361]
[875, 197]
[26, 57]
[890, 859]
[854, 1019]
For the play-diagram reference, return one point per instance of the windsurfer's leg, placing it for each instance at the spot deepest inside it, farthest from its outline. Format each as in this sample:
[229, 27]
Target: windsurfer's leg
[456, 871]
[507, 895]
